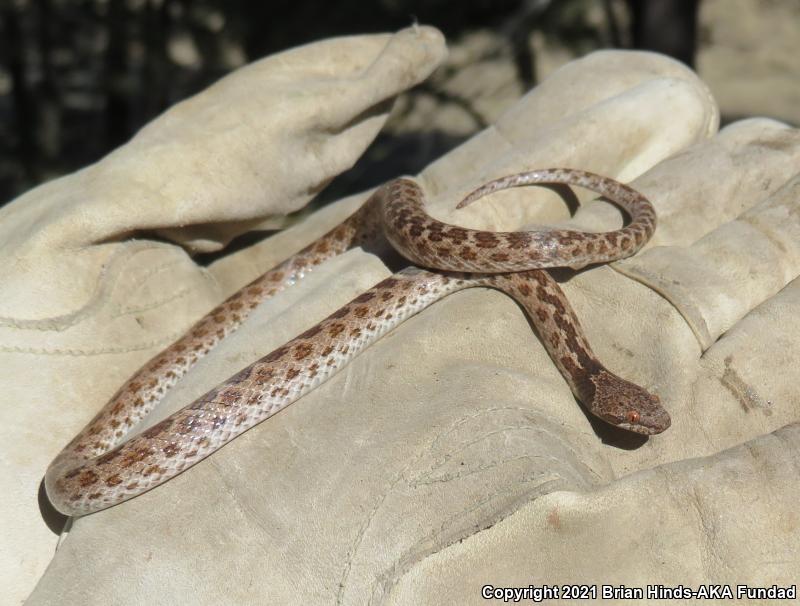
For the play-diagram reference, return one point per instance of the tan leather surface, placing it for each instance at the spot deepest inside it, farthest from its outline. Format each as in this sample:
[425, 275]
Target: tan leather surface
[451, 454]
[89, 294]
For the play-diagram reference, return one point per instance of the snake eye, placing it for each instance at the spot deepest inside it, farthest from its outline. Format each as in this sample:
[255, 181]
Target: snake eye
[633, 416]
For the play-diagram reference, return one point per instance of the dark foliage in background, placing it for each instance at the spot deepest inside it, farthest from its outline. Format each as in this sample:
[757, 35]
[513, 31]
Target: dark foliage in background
[80, 77]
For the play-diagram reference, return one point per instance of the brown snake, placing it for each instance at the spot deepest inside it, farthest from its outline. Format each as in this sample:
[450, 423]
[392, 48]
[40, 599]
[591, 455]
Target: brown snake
[104, 466]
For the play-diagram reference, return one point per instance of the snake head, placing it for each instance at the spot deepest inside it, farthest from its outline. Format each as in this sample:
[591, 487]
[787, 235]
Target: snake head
[627, 406]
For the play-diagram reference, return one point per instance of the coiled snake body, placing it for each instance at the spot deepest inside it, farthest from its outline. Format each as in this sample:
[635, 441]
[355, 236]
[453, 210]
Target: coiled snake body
[102, 466]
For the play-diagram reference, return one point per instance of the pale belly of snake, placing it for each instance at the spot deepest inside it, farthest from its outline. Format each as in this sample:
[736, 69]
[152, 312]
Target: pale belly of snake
[103, 466]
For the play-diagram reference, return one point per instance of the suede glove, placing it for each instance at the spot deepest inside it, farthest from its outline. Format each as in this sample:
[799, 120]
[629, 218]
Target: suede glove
[451, 454]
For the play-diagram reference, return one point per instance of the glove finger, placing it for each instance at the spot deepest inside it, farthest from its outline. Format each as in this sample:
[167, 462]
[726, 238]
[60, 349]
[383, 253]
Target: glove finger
[617, 126]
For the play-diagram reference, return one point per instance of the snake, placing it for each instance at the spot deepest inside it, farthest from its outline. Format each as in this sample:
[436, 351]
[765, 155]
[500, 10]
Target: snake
[110, 461]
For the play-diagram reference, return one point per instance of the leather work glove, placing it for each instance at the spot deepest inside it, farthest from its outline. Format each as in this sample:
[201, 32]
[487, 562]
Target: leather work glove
[451, 454]
[90, 291]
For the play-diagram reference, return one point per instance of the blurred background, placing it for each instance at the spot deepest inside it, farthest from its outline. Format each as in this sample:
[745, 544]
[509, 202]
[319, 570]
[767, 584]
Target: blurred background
[80, 77]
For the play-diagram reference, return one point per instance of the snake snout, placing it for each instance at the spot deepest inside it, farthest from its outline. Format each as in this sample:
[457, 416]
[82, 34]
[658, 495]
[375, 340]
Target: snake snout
[628, 406]
[650, 419]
